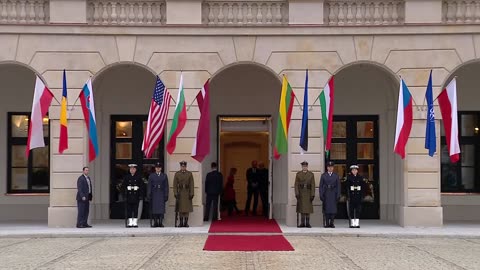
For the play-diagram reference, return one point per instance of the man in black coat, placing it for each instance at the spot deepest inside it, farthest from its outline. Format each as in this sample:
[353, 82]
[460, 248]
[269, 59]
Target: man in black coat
[213, 188]
[84, 196]
[253, 175]
[158, 194]
[263, 188]
[355, 189]
[133, 190]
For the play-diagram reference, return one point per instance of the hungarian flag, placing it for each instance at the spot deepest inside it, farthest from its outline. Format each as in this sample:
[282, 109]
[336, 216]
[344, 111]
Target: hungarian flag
[42, 99]
[179, 119]
[448, 107]
[88, 109]
[326, 102]
[201, 147]
[63, 143]
[304, 133]
[284, 117]
[404, 119]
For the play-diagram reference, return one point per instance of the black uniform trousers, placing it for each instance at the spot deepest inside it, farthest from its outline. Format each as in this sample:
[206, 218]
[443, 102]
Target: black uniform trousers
[211, 199]
[83, 209]
[252, 192]
[354, 209]
[132, 210]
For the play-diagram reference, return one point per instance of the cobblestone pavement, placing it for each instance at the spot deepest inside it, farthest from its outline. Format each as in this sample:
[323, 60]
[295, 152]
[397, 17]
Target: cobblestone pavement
[185, 252]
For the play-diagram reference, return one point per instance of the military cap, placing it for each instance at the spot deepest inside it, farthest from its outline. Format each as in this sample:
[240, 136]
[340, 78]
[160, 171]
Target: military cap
[158, 165]
[183, 163]
[330, 164]
[304, 162]
[354, 167]
[132, 165]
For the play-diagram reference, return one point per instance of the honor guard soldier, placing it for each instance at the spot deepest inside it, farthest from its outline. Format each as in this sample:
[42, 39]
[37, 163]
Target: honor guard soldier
[158, 195]
[133, 190]
[305, 193]
[329, 195]
[355, 193]
[183, 190]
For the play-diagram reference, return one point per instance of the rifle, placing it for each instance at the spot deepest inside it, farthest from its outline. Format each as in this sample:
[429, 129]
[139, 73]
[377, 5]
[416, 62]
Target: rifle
[176, 210]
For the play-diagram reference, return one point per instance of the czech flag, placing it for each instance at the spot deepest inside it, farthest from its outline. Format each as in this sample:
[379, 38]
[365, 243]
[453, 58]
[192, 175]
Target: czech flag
[88, 108]
[404, 119]
[63, 143]
[448, 107]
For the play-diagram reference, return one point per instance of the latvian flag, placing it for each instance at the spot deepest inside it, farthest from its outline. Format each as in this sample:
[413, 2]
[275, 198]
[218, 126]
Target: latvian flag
[404, 119]
[448, 107]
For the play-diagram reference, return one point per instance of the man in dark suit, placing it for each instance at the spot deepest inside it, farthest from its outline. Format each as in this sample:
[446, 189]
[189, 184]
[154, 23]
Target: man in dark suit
[84, 196]
[253, 177]
[213, 188]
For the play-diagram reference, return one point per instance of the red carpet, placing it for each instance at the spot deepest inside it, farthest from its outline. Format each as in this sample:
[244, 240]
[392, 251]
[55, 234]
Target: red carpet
[242, 224]
[247, 243]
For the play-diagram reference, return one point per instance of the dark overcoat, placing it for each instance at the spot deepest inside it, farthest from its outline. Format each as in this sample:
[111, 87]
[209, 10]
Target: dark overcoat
[158, 192]
[136, 191]
[330, 190]
[355, 189]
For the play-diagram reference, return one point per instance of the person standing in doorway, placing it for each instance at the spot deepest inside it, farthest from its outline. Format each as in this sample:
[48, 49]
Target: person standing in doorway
[330, 190]
[213, 189]
[253, 176]
[229, 195]
[158, 194]
[263, 188]
[355, 192]
[84, 196]
[183, 190]
[305, 193]
[133, 190]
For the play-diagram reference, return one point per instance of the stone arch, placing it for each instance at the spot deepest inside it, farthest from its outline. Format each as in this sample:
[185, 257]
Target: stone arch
[467, 84]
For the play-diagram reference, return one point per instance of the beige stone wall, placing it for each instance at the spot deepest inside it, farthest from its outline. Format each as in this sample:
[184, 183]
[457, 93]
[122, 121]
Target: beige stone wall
[201, 55]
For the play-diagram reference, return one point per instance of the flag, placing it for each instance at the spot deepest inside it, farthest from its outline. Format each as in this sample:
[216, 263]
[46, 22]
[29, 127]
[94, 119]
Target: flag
[326, 101]
[430, 136]
[42, 99]
[448, 107]
[63, 143]
[304, 133]
[157, 118]
[201, 147]
[88, 109]
[179, 118]
[404, 119]
[284, 116]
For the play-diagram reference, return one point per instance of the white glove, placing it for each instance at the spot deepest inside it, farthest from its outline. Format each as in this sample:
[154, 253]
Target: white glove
[135, 188]
[129, 187]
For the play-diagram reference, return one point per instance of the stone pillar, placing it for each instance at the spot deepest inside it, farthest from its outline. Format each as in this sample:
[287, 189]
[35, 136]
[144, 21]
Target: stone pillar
[184, 12]
[305, 11]
[68, 11]
[65, 168]
[423, 11]
[421, 173]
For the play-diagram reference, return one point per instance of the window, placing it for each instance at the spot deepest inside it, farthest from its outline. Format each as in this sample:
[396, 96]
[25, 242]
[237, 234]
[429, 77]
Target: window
[32, 174]
[464, 176]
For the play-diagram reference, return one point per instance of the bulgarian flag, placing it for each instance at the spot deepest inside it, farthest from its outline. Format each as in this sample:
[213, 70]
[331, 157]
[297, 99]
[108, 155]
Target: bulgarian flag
[404, 119]
[284, 117]
[326, 102]
[179, 118]
[448, 107]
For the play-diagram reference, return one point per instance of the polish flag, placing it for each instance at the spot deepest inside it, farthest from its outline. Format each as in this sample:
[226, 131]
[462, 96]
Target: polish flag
[404, 119]
[448, 107]
[42, 98]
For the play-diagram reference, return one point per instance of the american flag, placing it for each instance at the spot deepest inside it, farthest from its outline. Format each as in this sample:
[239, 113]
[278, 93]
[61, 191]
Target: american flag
[157, 118]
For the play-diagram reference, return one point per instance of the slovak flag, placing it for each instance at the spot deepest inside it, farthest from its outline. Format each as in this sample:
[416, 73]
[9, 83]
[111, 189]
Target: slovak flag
[404, 119]
[88, 109]
[448, 107]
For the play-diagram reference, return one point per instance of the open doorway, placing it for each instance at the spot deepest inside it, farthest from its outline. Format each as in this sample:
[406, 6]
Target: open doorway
[243, 139]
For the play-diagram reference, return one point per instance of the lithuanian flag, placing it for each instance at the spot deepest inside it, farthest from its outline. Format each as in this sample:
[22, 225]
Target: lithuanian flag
[284, 117]
[63, 143]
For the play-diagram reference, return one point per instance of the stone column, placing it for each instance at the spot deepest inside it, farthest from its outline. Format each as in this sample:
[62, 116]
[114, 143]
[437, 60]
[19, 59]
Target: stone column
[68, 11]
[423, 11]
[184, 11]
[421, 173]
[305, 11]
[65, 168]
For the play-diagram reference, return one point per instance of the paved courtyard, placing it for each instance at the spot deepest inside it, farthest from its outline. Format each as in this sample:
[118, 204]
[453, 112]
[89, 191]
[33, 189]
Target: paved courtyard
[185, 252]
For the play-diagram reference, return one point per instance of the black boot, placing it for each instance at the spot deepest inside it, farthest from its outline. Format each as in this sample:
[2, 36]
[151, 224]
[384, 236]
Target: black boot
[185, 222]
[332, 225]
[160, 222]
[302, 221]
[307, 222]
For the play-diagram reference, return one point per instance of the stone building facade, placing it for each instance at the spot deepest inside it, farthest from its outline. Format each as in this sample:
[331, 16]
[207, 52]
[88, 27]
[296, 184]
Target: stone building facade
[244, 47]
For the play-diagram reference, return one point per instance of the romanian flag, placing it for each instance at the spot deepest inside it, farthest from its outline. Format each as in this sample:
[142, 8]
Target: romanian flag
[63, 144]
[284, 117]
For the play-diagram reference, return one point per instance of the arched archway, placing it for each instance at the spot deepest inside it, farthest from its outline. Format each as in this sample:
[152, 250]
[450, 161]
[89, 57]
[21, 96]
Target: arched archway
[244, 100]
[365, 113]
[18, 174]
[463, 177]
[123, 93]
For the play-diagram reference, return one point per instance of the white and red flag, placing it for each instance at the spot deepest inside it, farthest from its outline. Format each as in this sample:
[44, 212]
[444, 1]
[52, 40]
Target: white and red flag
[448, 107]
[201, 147]
[42, 98]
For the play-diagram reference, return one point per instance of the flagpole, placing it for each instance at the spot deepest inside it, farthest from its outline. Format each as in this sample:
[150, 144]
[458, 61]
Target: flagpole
[188, 107]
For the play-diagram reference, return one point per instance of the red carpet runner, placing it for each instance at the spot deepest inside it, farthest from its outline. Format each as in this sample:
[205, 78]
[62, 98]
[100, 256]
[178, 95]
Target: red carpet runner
[231, 240]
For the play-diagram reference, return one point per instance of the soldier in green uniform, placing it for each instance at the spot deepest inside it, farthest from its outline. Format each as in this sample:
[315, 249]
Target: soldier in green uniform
[183, 191]
[305, 193]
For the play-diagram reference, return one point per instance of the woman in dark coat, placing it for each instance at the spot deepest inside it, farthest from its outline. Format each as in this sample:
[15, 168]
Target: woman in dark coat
[158, 195]
[229, 193]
